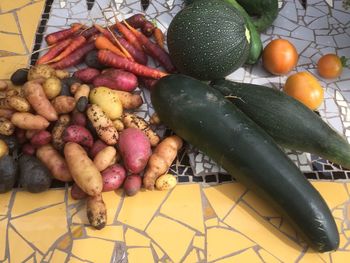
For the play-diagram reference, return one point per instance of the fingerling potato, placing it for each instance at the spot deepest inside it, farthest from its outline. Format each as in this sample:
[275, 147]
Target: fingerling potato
[105, 158]
[28, 121]
[96, 211]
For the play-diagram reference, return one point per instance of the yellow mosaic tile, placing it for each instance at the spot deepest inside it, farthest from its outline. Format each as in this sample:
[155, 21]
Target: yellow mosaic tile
[112, 200]
[201, 254]
[48, 256]
[288, 229]
[260, 205]
[158, 250]
[113, 233]
[12, 44]
[267, 257]
[223, 197]
[262, 233]
[77, 231]
[80, 217]
[234, 242]
[25, 202]
[334, 194]
[58, 256]
[340, 256]
[4, 200]
[311, 256]
[135, 207]
[8, 5]
[347, 233]
[75, 260]
[177, 206]
[338, 213]
[211, 222]
[65, 242]
[44, 227]
[135, 239]
[342, 240]
[208, 211]
[137, 255]
[192, 257]
[38, 256]
[166, 233]
[248, 255]
[3, 238]
[276, 221]
[28, 18]
[199, 242]
[12, 64]
[30, 260]
[93, 249]
[15, 242]
[8, 23]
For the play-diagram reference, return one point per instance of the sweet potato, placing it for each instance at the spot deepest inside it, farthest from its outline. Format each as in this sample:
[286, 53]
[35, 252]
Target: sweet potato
[18, 103]
[132, 184]
[41, 138]
[63, 104]
[135, 149]
[98, 146]
[76, 192]
[128, 100]
[78, 134]
[28, 149]
[35, 95]
[105, 158]
[108, 101]
[96, 211]
[82, 169]
[116, 79]
[113, 177]
[103, 125]
[6, 127]
[161, 159]
[86, 75]
[57, 132]
[82, 91]
[28, 121]
[48, 155]
[79, 118]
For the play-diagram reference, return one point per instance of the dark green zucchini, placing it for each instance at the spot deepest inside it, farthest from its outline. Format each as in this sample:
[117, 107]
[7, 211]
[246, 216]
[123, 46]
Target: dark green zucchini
[203, 117]
[288, 121]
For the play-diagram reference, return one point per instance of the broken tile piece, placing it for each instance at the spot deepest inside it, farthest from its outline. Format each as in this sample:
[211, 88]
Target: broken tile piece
[263, 233]
[48, 256]
[136, 255]
[223, 197]
[77, 231]
[8, 5]
[8, 23]
[134, 208]
[260, 205]
[12, 64]
[211, 222]
[65, 242]
[112, 200]
[234, 242]
[4, 198]
[44, 227]
[157, 249]
[311, 256]
[340, 256]
[166, 232]
[38, 256]
[73, 259]
[199, 242]
[276, 221]
[58, 256]
[334, 193]
[30, 260]
[93, 249]
[288, 229]
[192, 257]
[267, 257]
[177, 206]
[12, 44]
[3, 238]
[25, 202]
[113, 233]
[248, 255]
[136, 239]
[80, 216]
[15, 242]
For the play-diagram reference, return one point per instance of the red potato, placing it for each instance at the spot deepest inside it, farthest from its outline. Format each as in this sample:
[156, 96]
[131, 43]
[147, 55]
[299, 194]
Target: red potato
[86, 75]
[132, 184]
[76, 192]
[113, 177]
[78, 134]
[116, 79]
[41, 138]
[79, 118]
[98, 146]
[135, 149]
[28, 149]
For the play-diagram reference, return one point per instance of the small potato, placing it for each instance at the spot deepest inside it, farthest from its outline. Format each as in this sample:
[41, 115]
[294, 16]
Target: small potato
[96, 211]
[3, 85]
[98, 146]
[52, 87]
[4, 149]
[105, 158]
[63, 104]
[154, 119]
[4, 104]
[28, 121]
[76, 192]
[113, 177]
[41, 71]
[74, 87]
[118, 124]
[128, 100]
[20, 135]
[19, 104]
[20, 76]
[79, 118]
[6, 113]
[132, 184]
[62, 74]
[108, 101]
[30, 133]
[28, 149]
[14, 91]
[166, 182]
[41, 138]
[82, 91]
[57, 132]
[78, 134]
[6, 127]
[86, 75]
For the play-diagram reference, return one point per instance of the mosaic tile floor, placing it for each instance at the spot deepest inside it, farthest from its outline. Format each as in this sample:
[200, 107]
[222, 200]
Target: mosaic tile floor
[193, 222]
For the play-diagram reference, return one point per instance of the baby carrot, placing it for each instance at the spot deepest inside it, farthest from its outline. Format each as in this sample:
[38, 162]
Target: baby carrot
[54, 51]
[74, 45]
[63, 34]
[128, 35]
[110, 59]
[87, 33]
[138, 55]
[103, 42]
[159, 37]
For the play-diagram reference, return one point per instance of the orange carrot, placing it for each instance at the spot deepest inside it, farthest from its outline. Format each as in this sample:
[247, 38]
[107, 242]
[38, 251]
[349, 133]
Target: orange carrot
[102, 42]
[54, 51]
[110, 59]
[74, 45]
[63, 34]
[128, 35]
[159, 37]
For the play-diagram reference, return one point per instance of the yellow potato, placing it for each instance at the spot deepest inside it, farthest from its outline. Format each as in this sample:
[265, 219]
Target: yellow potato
[52, 87]
[62, 74]
[4, 149]
[82, 91]
[19, 104]
[166, 182]
[108, 101]
[105, 158]
[6, 127]
[41, 71]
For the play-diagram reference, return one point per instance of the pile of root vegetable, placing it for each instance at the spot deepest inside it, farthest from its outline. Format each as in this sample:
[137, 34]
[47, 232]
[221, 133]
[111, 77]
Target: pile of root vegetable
[82, 127]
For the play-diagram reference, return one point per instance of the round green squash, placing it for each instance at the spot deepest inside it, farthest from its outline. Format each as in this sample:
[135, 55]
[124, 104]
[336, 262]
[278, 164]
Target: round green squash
[208, 40]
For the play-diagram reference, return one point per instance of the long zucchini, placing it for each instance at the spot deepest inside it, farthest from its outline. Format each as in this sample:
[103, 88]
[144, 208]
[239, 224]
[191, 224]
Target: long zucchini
[288, 121]
[203, 117]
